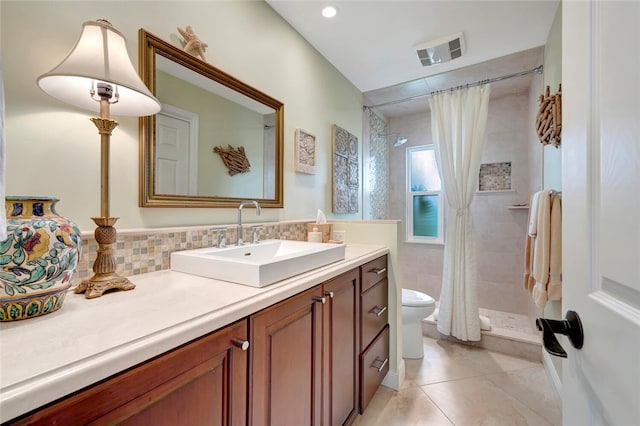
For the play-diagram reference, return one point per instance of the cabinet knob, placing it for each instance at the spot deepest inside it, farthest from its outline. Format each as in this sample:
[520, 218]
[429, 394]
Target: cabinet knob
[240, 343]
[319, 299]
[377, 310]
[378, 271]
[329, 294]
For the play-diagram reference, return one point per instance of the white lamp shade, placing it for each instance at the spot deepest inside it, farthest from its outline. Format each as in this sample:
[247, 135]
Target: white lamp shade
[100, 55]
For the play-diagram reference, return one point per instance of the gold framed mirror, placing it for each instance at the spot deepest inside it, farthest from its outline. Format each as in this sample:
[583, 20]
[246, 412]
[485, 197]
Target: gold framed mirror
[205, 113]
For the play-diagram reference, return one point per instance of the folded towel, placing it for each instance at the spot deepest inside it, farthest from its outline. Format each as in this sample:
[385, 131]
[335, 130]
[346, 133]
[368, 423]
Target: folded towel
[533, 215]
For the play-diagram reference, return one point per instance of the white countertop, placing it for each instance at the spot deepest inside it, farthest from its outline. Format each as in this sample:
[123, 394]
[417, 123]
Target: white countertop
[87, 340]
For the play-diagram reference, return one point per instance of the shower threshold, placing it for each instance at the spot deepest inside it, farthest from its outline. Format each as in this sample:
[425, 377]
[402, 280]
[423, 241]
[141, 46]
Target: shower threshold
[510, 333]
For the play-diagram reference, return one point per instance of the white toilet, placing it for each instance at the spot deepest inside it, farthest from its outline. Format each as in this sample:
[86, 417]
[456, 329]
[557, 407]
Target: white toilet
[415, 307]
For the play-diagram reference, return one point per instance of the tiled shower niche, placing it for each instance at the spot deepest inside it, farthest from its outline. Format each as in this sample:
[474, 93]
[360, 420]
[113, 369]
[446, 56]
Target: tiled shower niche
[495, 177]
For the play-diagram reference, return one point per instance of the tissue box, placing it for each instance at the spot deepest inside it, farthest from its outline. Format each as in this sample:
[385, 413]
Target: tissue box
[325, 228]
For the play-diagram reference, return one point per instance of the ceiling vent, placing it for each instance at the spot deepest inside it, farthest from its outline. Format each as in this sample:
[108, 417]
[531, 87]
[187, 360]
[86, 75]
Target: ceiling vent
[441, 50]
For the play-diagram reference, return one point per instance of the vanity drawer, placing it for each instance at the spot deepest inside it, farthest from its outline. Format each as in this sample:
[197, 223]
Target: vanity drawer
[374, 365]
[373, 312]
[373, 272]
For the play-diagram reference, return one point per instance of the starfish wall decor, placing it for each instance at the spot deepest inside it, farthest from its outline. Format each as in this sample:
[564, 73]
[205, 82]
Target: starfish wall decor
[192, 42]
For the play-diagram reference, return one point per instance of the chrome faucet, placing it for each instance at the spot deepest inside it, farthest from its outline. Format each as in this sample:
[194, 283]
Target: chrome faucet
[242, 204]
[221, 239]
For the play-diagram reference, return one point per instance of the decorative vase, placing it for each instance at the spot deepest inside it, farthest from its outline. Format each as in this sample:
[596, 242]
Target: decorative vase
[38, 258]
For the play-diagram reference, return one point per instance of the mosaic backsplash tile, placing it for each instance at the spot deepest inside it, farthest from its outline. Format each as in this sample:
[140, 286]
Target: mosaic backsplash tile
[147, 251]
[495, 177]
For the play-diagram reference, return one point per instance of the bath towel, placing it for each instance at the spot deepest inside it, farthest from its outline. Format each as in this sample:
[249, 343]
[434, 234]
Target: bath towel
[532, 227]
[533, 218]
[3, 214]
[543, 257]
[549, 286]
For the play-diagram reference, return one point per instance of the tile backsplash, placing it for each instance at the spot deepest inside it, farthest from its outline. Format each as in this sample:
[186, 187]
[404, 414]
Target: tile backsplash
[141, 251]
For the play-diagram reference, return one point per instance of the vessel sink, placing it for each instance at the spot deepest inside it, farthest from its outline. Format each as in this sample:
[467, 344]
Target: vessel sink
[257, 265]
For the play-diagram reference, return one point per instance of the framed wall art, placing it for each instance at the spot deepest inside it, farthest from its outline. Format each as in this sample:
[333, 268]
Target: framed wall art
[346, 171]
[305, 152]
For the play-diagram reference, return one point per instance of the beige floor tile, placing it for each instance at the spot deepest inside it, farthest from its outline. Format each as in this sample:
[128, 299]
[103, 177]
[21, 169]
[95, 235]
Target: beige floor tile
[445, 360]
[533, 388]
[408, 407]
[478, 401]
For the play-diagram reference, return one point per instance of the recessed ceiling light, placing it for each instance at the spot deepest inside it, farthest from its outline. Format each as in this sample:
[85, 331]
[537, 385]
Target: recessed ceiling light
[329, 11]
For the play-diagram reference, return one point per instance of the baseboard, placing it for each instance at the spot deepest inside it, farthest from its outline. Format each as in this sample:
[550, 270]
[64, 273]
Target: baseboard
[551, 372]
[394, 380]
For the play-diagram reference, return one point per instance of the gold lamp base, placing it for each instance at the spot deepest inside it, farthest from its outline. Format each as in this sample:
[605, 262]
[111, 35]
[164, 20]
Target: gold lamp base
[104, 268]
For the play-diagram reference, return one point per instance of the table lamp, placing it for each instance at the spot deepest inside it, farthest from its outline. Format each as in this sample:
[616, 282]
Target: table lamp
[97, 75]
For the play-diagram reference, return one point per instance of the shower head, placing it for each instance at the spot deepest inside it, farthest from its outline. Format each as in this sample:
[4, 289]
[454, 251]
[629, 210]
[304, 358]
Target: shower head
[399, 140]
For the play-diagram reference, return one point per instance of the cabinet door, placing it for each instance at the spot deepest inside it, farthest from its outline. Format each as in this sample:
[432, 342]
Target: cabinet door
[341, 348]
[200, 383]
[286, 362]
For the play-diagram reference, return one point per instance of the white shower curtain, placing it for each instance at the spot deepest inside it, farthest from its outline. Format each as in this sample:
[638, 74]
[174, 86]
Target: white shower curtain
[458, 122]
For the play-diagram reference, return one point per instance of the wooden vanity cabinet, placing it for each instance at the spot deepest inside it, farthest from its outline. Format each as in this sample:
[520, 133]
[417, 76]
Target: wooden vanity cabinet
[374, 336]
[286, 362]
[304, 354]
[203, 382]
[315, 358]
[341, 325]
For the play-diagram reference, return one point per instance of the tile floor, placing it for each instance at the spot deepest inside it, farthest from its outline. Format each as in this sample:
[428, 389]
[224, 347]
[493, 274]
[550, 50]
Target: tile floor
[462, 385]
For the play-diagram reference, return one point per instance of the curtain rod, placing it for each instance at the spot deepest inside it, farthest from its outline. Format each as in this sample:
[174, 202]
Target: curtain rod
[537, 70]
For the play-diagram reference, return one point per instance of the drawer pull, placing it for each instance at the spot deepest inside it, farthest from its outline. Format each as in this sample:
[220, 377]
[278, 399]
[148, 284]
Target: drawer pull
[381, 363]
[319, 299]
[378, 271]
[377, 310]
[240, 343]
[329, 294]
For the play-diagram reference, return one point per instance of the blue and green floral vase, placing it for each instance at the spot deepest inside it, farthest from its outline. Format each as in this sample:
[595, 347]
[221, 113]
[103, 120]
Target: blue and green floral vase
[38, 258]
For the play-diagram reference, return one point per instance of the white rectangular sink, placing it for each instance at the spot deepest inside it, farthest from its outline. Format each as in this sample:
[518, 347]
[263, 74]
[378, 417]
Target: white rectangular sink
[257, 265]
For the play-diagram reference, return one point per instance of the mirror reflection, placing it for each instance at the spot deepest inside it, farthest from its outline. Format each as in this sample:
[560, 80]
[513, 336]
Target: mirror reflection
[216, 140]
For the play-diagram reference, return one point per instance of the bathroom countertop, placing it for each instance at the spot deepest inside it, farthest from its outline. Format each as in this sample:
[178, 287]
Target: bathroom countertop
[87, 340]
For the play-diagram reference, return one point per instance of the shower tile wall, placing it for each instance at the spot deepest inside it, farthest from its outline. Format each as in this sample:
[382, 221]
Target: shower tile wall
[378, 165]
[499, 231]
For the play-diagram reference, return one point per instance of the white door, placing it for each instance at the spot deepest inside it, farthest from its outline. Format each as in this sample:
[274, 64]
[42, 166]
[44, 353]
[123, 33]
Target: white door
[601, 210]
[176, 151]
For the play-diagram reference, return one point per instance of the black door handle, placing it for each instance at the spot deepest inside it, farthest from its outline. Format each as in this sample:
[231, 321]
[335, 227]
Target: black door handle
[570, 326]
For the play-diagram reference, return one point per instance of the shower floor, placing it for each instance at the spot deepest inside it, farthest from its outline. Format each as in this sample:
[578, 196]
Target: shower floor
[510, 333]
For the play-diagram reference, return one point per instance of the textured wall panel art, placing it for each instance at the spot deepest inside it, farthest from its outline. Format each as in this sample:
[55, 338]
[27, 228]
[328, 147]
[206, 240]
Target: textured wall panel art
[305, 152]
[346, 171]
[495, 177]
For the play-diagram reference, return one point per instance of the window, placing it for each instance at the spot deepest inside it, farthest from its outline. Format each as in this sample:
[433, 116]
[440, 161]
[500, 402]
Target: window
[424, 197]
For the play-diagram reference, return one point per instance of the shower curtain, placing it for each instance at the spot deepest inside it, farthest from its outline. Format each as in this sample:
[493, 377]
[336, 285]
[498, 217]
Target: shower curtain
[458, 122]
